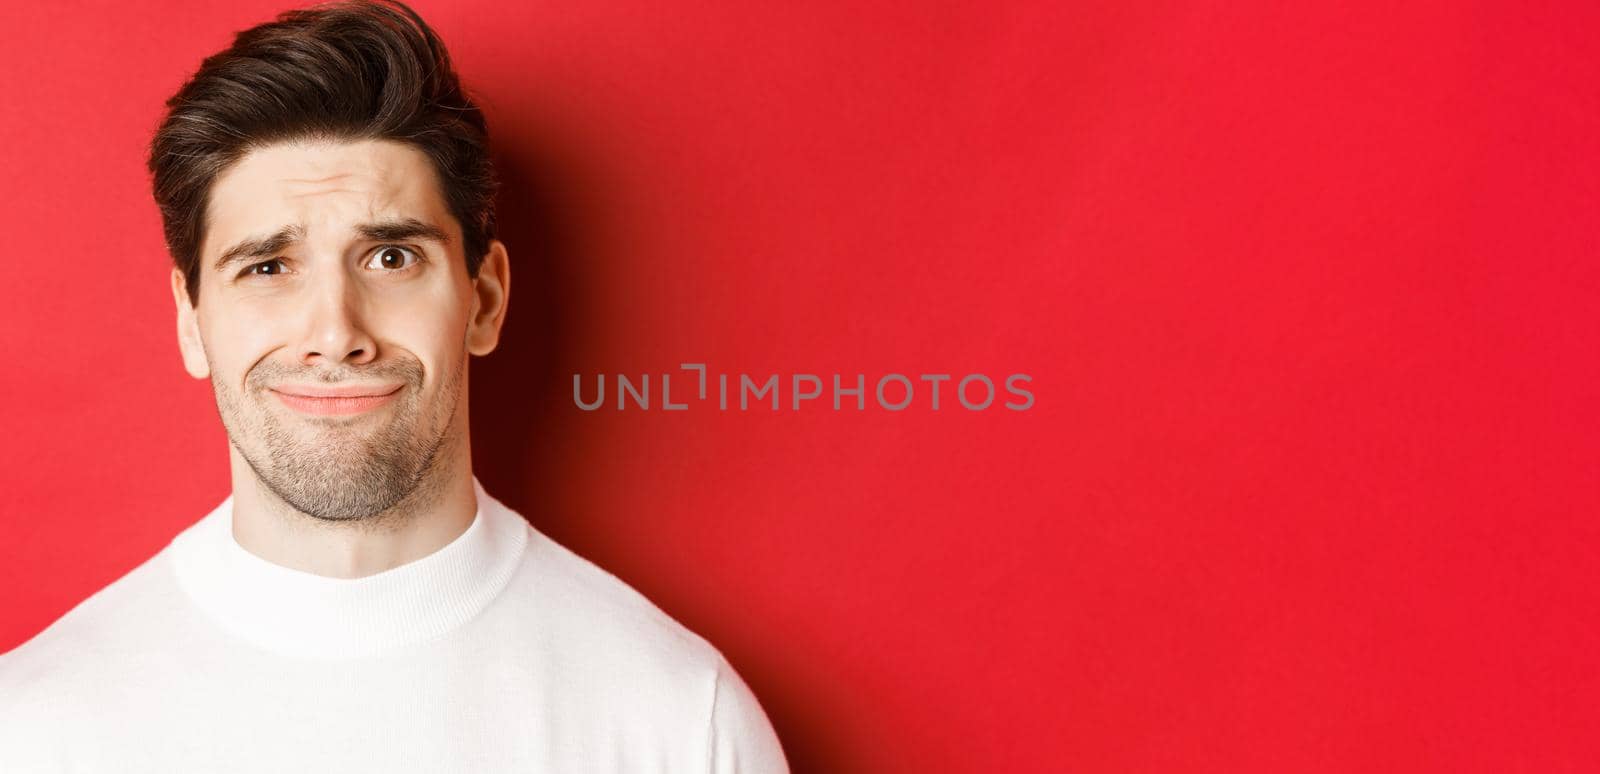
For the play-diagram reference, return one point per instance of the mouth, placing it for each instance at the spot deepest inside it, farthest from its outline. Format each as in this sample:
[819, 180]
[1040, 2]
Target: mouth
[336, 400]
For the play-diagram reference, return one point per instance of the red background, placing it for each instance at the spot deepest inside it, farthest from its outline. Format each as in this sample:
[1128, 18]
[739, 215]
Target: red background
[1308, 298]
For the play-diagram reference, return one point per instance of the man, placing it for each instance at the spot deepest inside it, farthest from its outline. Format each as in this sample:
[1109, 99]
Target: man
[359, 603]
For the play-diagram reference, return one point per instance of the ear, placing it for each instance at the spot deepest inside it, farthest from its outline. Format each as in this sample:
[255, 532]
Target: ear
[490, 291]
[194, 352]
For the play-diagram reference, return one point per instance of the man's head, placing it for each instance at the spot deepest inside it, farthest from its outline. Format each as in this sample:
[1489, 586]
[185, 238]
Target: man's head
[327, 197]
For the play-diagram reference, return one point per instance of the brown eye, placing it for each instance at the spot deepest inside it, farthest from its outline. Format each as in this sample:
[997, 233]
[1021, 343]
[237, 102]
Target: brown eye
[265, 267]
[392, 258]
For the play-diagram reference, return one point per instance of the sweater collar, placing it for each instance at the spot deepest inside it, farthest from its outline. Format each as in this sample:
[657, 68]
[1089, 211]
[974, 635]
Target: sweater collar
[297, 613]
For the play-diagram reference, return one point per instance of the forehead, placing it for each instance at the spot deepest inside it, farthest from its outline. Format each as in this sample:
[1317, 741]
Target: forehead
[325, 186]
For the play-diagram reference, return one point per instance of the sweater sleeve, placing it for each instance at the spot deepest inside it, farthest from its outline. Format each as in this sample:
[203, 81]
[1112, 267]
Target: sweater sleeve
[742, 740]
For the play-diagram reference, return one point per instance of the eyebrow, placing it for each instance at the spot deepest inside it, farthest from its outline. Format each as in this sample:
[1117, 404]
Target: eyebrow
[392, 230]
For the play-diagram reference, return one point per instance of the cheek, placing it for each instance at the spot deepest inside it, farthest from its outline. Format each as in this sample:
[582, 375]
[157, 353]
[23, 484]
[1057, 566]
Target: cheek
[432, 328]
[235, 342]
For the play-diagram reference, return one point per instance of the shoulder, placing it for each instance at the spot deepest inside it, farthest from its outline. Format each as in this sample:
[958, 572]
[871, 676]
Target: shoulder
[587, 602]
[96, 624]
[80, 654]
[615, 649]
[587, 624]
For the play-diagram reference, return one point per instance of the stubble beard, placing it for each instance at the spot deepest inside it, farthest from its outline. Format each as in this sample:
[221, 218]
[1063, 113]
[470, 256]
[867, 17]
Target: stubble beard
[358, 470]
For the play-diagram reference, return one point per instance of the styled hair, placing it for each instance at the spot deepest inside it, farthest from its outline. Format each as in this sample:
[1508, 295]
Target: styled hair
[345, 71]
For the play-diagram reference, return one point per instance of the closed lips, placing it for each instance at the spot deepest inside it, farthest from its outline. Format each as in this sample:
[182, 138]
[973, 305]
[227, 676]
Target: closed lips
[335, 399]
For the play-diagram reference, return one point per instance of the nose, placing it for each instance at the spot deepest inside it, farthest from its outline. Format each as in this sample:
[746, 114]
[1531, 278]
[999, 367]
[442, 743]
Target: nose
[333, 329]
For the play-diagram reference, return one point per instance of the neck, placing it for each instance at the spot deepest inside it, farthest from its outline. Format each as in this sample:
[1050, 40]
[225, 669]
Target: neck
[438, 511]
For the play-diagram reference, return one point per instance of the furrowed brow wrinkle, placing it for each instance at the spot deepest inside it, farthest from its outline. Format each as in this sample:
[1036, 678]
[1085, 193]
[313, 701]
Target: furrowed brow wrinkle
[409, 228]
[255, 248]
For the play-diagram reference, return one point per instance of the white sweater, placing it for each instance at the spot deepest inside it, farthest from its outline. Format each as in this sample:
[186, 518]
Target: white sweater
[502, 651]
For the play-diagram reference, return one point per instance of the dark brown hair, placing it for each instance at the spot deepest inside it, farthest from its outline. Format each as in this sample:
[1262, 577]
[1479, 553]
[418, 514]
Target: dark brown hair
[340, 71]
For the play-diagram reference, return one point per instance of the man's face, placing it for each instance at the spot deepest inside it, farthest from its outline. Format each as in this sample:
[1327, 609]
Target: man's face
[334, 321]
